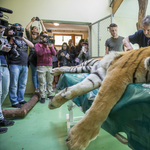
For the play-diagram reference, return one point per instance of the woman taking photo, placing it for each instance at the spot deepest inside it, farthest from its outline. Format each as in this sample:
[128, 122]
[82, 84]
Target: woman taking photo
[65, 56]
[72, 50]
[84, 53]
[34, 37]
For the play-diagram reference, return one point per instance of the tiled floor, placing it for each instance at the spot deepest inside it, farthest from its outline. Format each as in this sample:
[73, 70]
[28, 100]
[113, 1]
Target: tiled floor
[44, 129]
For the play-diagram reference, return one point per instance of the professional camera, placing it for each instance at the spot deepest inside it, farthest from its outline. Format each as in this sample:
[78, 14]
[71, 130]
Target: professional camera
[50, 40]
[3, 23]
[37, 19]
[13, 51]
[17, 31]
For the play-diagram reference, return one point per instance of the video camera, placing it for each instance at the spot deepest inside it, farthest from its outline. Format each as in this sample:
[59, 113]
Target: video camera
[4, 23]
[17, 31]
[50, 40]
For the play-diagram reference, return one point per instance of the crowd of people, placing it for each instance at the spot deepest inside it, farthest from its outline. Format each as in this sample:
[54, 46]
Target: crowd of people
[43, 56]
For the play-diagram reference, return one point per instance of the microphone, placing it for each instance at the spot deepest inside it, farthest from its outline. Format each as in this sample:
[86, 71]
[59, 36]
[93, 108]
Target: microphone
[6, 10]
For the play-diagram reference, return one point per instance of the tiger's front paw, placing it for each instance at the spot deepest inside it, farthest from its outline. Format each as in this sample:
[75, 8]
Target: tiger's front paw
[56, 71]
[80, 136]
[57, 101]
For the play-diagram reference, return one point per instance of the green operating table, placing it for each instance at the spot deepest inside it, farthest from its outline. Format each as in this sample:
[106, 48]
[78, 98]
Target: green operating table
[130, 115]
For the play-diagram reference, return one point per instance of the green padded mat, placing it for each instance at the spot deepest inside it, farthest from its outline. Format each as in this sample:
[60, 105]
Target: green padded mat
[130, 115]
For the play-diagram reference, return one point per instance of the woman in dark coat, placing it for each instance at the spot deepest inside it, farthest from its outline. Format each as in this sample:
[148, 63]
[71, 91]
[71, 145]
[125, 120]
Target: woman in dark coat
[65, 56]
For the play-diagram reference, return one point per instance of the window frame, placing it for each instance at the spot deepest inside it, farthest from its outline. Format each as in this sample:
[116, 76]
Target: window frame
[72, 35]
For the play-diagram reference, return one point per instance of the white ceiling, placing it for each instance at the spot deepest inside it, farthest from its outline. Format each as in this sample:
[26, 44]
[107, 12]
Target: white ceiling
[51, 26]
[128, 9]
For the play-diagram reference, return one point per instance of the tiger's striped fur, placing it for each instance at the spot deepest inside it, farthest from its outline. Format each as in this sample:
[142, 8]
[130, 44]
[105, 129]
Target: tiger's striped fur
[126, 68]
[89, 66]
[84, 67]
[98, 68]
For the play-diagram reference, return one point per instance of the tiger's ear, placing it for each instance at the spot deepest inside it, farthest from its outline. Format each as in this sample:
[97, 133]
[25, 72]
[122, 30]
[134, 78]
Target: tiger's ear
[147, 63]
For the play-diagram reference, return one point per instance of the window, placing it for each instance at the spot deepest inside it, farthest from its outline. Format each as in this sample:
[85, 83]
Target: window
[77, 39]
[61, 38]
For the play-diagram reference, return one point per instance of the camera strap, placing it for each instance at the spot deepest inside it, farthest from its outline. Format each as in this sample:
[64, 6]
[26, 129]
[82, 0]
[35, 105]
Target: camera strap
[16, 43]
[22, 49]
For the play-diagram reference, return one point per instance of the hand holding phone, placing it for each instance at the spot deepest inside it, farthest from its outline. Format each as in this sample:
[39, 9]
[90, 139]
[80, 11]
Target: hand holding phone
[83, 49]
[67, 56]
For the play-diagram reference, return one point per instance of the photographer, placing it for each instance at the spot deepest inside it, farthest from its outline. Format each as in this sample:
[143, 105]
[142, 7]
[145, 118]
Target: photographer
[34, 37]
[84, 54]
[4, 78]
[72, 50]
[17, 60]
[65, 56]
[44, 52]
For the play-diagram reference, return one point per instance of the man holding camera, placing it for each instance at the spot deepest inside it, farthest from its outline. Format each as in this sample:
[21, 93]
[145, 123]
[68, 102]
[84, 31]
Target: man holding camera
[44, 50]
[17, 59]
[4, 78]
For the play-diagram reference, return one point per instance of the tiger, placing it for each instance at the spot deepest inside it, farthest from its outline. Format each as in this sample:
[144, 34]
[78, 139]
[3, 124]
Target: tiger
[112, 76]
[97, 68]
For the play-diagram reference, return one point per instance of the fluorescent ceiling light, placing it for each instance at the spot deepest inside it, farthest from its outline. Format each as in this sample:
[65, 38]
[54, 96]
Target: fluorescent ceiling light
[56, 24]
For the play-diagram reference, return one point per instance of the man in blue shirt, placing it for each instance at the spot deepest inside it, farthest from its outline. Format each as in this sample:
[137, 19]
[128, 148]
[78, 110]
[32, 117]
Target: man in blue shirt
[141, 37]
[4, 79]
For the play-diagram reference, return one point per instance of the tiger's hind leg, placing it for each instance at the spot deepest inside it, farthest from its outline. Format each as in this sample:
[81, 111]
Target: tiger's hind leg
[90, 83]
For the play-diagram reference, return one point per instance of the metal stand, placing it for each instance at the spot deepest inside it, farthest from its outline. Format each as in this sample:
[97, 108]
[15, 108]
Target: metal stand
[70, 119]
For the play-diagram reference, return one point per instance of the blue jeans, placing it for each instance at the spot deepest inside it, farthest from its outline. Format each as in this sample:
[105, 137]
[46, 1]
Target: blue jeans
[4, 86]
[18, 80]
[34, 75]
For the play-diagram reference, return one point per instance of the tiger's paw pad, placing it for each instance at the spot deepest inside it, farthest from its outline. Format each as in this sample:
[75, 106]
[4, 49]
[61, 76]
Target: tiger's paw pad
[57, 101]
[79, 137]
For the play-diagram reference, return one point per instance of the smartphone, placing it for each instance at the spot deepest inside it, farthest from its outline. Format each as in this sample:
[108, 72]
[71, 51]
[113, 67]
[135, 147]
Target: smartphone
[83, 48]
[67, 55]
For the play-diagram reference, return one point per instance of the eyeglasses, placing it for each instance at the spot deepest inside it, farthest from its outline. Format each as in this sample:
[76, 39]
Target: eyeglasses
[44, 31]
[64, 46]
